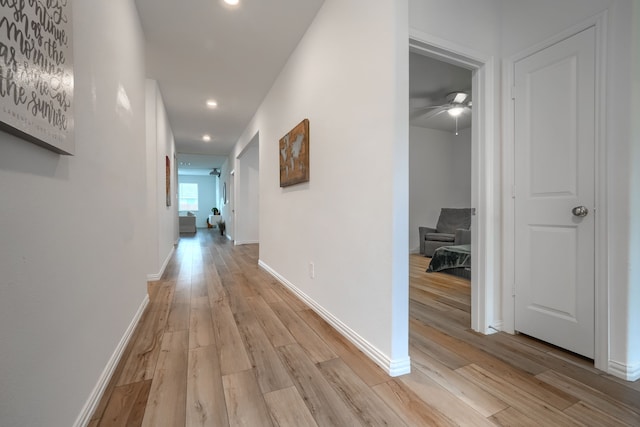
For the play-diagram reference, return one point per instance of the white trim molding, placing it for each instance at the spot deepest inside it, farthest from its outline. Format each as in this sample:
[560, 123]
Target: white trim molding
[157, 276]
[497, 326]
[394, 367]
[245, 242]
[626, 372]
[94, 398]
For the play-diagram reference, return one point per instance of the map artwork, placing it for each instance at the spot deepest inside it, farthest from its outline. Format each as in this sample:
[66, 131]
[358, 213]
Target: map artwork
[294, 155]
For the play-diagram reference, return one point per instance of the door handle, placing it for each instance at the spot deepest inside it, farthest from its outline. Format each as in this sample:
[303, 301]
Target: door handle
[580, 211]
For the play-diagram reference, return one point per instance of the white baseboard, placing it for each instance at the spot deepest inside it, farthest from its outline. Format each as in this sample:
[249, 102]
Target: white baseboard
[626, 372]
[95, 396]
[246, 242]
[496, 326]
[394, 367]
[157, 276]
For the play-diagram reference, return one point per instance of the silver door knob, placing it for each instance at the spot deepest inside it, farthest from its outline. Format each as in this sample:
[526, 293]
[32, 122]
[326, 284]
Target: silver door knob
[580, 211]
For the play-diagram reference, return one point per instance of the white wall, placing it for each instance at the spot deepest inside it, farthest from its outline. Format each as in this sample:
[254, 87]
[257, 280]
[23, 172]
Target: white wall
[72, 230]
[439, 176]
[248, 194]
[161, 219]
[153, 262]
[225, 208]
[462, 166]
[207, 196]
[471, 23]
[350, 220]
[168, 230]
[634, 292]
[526, 23]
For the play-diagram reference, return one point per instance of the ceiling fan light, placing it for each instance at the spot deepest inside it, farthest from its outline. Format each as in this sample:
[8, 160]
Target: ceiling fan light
[455, 111]
[459, 98]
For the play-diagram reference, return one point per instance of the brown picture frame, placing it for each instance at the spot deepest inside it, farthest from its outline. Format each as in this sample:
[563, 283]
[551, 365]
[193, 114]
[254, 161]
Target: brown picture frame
[167, 170]
[294, 155]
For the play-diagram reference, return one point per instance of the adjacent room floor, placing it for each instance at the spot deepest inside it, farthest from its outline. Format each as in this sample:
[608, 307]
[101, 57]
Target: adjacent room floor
[222, 343]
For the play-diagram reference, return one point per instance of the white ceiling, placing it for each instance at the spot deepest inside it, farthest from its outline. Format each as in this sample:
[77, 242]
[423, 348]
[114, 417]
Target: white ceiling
[205, 49]
[430, 81]
[198, 164]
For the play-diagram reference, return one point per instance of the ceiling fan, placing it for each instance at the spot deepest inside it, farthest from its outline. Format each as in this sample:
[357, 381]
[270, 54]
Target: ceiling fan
[456, 104]
[216, 172]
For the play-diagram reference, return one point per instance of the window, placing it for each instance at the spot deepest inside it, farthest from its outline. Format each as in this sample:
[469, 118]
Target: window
[188, 197]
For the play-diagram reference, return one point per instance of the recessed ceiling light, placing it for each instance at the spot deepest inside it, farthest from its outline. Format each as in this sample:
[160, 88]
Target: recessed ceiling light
[211, 103]
[232, 2]
[206, 138]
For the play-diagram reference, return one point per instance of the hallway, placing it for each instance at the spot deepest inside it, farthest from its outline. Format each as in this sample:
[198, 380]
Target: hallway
[222, 343]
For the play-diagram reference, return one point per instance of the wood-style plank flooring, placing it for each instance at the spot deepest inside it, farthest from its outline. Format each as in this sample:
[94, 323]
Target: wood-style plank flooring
[223, 344]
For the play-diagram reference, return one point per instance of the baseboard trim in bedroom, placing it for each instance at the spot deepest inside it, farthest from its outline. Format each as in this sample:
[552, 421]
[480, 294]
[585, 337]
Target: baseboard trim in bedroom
[103, 381]
[394, 367]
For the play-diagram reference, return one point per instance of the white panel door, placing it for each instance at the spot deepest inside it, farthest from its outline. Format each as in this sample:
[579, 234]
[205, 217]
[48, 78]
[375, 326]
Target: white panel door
[554, 173]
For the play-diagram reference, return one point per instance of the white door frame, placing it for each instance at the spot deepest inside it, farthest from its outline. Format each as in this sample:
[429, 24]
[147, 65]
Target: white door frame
[241, 185]
[231, 199]
[601, 347]
[485, 197]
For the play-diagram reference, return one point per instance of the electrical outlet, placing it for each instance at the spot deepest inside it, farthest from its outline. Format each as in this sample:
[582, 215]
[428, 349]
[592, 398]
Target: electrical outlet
[312, 270]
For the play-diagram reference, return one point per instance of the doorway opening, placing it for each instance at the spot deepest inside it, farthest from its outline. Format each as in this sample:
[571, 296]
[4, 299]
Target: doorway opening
[484, 194]
[246, 183]
[440, 129]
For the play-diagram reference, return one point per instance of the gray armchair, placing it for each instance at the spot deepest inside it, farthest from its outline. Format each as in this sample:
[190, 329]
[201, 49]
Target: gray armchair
[452, 229]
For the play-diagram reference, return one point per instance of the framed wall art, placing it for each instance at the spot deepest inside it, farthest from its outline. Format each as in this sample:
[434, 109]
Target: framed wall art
[36, 73]
[224, 193]
[167, 171]
[294, 155]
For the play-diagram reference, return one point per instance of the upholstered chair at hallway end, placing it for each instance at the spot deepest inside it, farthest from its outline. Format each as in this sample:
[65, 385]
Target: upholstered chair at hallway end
[453, 228]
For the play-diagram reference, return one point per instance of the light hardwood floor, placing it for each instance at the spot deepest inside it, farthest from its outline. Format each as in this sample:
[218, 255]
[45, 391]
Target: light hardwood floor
[222, 343]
